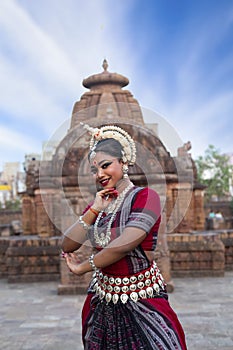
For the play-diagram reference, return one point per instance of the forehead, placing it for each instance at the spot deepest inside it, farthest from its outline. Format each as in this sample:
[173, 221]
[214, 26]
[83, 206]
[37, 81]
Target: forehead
[100, 157]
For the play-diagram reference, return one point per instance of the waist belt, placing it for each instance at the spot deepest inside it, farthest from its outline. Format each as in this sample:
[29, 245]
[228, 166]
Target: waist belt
[145, 284]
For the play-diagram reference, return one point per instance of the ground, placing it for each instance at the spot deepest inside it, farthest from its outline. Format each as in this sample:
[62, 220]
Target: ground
[34, 317]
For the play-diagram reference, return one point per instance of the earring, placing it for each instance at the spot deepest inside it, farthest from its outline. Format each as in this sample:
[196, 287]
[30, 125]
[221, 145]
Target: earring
[125, 170]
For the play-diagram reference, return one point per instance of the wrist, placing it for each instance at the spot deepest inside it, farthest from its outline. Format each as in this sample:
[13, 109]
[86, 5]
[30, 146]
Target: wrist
[94, 210]
[85, 225]
[92, 264]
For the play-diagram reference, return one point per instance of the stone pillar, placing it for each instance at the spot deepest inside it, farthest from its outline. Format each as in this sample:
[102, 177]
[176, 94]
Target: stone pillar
[199, 213]
[169, 207]
[185, 209]
[28, 215]
[44, 225]
[162, 254]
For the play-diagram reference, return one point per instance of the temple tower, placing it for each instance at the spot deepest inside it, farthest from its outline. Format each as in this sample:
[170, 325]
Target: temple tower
[58, 189]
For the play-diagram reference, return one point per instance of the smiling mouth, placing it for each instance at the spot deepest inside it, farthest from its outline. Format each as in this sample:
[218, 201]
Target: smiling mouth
[104, 182]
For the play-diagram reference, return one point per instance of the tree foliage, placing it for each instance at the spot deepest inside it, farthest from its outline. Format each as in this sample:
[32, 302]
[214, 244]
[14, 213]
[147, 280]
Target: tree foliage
[11, 205]
[214, 170]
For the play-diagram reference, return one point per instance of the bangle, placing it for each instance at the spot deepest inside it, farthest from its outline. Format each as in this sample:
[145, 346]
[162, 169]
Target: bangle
[94, 211]
[91, 261]
[83, 223]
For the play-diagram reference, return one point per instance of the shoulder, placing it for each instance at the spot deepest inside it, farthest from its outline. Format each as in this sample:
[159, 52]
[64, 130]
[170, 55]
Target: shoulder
[147, 198]
[147, 192]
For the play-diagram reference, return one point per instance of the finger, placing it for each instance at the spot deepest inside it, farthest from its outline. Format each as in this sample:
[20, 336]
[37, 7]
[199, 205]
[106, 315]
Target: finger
[106, 191]
[109, 192]
[112, 194]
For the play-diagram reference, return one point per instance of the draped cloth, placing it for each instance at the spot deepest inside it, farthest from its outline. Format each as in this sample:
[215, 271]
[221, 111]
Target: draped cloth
[148, 323]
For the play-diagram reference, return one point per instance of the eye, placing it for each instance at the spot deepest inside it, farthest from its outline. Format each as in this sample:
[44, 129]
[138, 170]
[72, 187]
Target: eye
[105, 165]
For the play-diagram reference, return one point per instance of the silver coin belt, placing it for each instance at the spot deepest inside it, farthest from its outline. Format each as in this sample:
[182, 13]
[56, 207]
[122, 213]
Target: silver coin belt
[143, 285]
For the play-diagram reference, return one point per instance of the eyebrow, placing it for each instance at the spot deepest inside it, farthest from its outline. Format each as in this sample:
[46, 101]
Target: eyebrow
[105, 160]
[101, 162]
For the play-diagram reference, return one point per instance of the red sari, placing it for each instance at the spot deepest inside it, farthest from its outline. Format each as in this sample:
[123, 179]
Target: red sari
[145, 323]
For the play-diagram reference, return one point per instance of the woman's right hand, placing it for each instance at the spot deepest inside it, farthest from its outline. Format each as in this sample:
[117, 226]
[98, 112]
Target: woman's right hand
[103, 198]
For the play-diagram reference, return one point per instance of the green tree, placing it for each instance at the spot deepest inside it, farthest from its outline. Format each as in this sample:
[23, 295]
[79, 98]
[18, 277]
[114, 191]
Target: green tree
[214, 170]
[13, 204]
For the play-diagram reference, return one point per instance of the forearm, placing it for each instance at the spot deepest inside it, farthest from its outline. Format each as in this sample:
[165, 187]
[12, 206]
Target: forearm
[75, 235]
[115, 251]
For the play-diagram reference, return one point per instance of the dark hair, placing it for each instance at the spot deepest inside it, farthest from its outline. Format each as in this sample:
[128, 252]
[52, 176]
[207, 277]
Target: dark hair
[109, 146]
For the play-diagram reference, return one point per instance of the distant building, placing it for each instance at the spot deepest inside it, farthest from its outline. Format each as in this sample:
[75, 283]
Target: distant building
[12, 181]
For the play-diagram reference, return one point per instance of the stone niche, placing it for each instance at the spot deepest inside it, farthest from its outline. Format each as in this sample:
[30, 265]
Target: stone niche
[59, 187]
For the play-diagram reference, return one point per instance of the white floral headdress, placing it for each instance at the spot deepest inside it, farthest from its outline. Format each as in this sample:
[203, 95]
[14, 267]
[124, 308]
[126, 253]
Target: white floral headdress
[117, 133]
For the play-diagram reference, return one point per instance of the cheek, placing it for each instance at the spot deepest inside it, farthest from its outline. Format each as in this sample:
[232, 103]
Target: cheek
[118, 171]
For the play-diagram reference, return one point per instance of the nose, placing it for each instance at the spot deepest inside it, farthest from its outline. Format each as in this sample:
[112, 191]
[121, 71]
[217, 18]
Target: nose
[99, 173]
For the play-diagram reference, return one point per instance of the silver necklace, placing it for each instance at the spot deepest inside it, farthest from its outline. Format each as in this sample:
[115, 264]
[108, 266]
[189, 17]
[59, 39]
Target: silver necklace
[104, 238]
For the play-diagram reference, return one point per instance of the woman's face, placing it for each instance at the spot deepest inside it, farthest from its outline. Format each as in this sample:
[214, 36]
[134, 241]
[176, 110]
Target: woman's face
[106, 169]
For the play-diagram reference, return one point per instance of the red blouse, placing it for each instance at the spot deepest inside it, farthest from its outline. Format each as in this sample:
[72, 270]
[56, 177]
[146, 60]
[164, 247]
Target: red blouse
[144, 214]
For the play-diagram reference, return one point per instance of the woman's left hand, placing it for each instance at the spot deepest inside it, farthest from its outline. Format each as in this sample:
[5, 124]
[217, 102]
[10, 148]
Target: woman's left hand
[73, 263]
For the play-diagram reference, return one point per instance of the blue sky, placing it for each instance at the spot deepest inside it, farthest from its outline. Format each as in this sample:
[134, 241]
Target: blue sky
[177, 54]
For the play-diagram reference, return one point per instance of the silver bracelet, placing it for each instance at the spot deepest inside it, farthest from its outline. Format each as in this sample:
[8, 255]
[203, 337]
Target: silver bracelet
[91, 261]
[81, 222]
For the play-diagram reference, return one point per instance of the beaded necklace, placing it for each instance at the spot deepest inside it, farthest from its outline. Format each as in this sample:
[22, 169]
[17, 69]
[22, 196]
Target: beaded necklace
[103, 239]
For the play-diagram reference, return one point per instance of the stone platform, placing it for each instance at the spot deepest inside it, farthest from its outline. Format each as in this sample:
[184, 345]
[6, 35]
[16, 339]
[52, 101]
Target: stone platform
[34, 317]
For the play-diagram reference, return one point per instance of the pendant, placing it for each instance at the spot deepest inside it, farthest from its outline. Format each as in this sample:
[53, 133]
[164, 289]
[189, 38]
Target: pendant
[134, 296]
[108, 297]
[115, 298]
[149, 291]
[142, 294]
[124, 298]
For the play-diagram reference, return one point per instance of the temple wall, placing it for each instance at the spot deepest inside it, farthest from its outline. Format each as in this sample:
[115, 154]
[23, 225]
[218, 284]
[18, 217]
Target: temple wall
[227, 239]
[196, 254]
[73, 284]
[6, 216]
[4, 244]
[30, 258]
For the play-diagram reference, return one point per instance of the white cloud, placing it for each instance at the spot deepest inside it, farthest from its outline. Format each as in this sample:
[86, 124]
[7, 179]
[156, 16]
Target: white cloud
[15, 140]
[35, 49]
[49, 65]
[48, 47]
[22, 98]
[14, 145]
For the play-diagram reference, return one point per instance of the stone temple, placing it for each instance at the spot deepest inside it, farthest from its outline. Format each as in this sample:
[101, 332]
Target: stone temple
[60, 186]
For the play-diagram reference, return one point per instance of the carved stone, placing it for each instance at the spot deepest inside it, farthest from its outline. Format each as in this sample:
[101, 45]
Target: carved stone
[59, 189]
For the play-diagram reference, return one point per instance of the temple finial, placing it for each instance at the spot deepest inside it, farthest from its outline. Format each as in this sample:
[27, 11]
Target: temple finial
[105, 65]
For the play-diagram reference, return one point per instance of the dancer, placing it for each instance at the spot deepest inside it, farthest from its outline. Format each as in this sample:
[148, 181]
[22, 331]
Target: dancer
[127, 304]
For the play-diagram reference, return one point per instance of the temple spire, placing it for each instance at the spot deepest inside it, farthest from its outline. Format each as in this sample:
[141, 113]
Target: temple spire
[105, 65]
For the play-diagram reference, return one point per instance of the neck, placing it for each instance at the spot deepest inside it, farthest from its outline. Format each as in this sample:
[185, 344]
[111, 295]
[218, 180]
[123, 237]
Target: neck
[122, 184]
